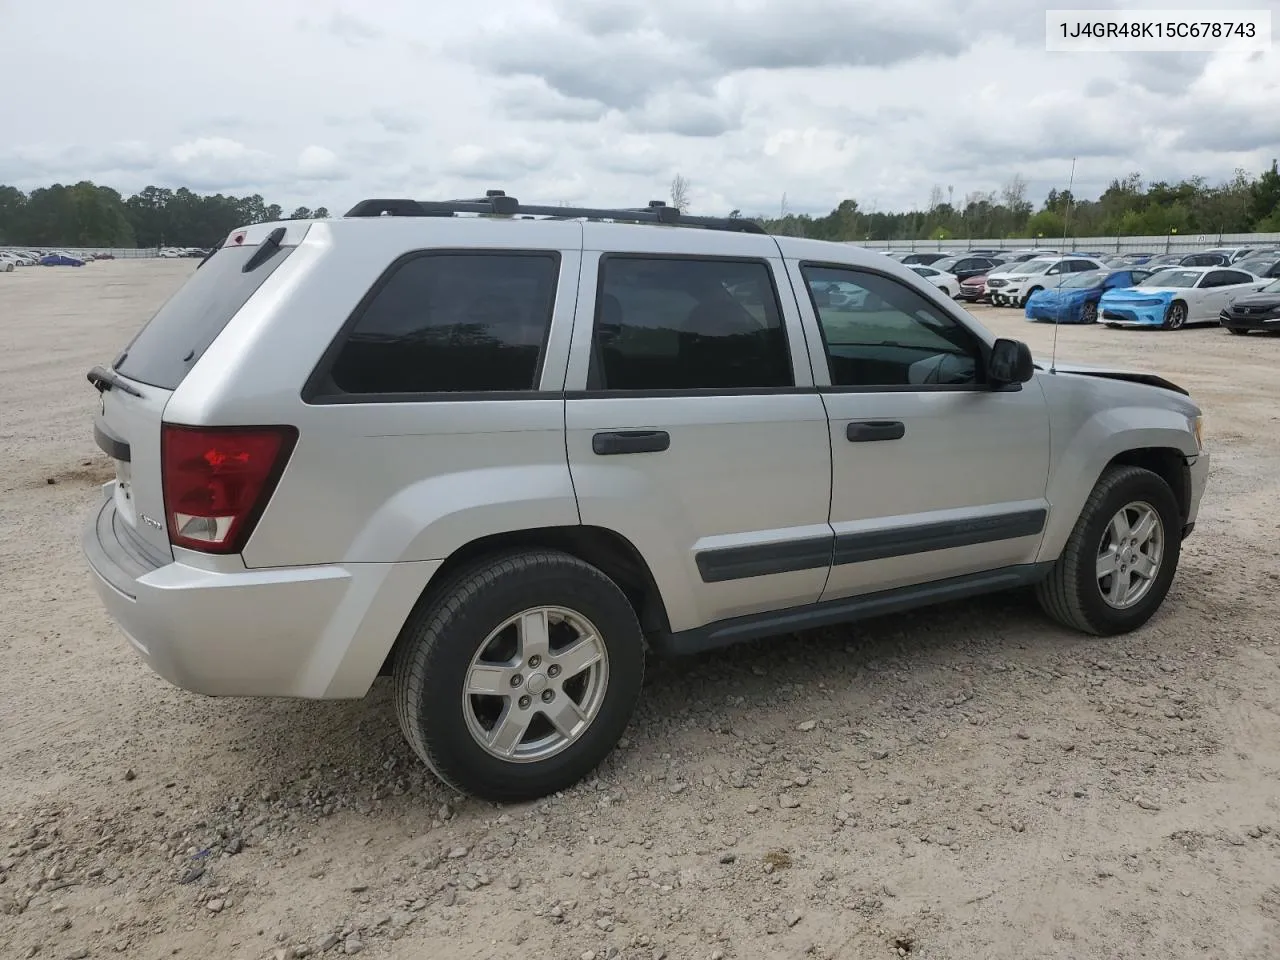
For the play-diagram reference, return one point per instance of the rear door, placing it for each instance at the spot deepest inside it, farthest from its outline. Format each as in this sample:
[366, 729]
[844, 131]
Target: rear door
[692, 425]
[134, 392]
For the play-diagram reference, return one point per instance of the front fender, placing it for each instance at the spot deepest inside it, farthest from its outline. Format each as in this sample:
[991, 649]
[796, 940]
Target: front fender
[1084, 445]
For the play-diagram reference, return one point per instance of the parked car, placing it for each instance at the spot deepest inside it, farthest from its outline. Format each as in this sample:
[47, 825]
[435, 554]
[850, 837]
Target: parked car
[7, 265]
[1205, 258]
[19, 258]
[924, 259]
[1075, 299]
[60, 259]
[1267, 266]
[1233, 253]
[1137, 258]
[1254, 312]
[964, 267]
[1164, 260]
[1173, 297]
[535, 448]
[1035, 275]
[974, 290]
[944, 281]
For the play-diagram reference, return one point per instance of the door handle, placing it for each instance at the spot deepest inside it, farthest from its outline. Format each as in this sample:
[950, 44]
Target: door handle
[630, 441]
[866, 430]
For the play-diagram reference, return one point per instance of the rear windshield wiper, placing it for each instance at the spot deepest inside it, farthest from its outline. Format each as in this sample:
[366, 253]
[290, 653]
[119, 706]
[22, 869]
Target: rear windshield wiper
[265, 250]
[105, 379]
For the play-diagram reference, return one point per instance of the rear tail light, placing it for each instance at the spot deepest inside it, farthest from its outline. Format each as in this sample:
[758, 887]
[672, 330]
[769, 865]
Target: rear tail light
[217, 481]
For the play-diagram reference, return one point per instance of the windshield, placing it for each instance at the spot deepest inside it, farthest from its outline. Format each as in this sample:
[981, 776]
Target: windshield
[1260, 267]
[1172, 278]
[945, 264]
[1272, 287]
[1090, 278]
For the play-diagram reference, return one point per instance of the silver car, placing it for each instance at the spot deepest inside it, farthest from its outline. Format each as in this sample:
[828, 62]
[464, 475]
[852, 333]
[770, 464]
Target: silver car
[499, 457]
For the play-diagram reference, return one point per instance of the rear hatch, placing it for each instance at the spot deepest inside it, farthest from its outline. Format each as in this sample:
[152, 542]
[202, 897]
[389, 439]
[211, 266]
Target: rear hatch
[139, 383]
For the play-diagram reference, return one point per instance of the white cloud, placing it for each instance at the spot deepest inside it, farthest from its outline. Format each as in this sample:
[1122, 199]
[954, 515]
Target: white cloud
[601, 101]
[319, 163]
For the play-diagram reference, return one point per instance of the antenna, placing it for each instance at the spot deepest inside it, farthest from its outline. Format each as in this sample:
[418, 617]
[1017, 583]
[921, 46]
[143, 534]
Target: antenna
[1066, 220]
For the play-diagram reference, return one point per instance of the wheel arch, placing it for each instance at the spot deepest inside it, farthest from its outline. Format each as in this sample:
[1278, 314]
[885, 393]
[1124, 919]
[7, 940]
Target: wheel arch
[601, 547]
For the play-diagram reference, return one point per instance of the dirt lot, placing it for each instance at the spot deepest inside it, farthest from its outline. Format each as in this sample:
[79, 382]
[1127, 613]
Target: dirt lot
[968, 782]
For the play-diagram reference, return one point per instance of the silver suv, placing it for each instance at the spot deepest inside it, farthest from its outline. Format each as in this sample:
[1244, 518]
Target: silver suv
[497, 451]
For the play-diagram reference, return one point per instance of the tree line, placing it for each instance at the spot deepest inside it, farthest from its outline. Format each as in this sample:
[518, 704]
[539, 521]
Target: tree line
[1127, 207]
[86, 214]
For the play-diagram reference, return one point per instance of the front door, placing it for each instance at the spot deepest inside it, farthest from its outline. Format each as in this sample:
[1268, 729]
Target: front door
[934, 474]
[692, 425]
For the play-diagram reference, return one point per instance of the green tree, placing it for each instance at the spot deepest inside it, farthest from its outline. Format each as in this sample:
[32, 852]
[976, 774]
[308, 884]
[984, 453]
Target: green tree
[1264, 199]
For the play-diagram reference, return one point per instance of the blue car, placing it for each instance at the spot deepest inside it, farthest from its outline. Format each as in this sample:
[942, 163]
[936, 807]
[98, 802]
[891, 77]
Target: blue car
[1075, 300]
[60, 260]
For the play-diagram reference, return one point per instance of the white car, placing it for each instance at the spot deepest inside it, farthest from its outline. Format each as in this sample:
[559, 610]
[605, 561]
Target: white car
[943, 281]
[17, 259]
[1173, 297]
[1014, 287]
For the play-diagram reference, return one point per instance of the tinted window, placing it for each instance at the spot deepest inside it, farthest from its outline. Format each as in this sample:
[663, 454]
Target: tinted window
[189, 321]
[686, 324]
[443, 323]
[889, 335]
[1224, 278]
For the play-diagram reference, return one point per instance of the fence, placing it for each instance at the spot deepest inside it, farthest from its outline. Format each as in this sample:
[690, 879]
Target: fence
[1169, 243]
[120, 253]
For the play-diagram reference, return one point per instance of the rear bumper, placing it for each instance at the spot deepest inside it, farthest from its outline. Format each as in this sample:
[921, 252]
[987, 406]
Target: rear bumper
[316, 631]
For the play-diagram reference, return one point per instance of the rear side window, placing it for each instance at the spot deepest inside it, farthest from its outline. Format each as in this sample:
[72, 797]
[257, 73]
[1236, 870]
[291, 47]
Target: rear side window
[688, 324]
[182, 330]
[448, 323]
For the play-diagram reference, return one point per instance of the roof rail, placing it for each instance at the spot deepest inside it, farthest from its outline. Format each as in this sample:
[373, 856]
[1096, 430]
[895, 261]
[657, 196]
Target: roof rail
[497, 203]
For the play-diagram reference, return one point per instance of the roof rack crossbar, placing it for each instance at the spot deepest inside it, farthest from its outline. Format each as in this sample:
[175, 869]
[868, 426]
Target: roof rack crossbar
[497, 203]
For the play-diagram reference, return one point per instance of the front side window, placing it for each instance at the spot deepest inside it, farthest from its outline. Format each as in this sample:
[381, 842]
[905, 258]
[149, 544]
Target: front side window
[889, 335]
[672, 323]
[452, 322]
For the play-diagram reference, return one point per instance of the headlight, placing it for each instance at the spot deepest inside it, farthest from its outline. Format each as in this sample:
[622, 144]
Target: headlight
[1197, 427]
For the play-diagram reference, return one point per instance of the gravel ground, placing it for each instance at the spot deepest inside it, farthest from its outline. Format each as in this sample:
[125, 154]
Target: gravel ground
[966, 782]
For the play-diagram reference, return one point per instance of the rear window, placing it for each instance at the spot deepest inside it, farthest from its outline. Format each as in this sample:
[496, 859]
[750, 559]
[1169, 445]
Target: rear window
[182, 330]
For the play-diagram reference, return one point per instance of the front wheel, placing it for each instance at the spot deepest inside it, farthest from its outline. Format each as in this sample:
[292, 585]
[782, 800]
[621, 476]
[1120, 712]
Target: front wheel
[1176, 316]
[519, 677]
[1089, 314]
[1119, 561]
[1027, 296]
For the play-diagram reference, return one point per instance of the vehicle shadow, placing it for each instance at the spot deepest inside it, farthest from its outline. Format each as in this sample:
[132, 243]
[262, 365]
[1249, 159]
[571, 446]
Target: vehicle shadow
[769, 684]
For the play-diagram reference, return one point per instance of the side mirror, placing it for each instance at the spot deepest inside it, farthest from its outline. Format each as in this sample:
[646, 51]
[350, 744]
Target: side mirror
[1010, 362]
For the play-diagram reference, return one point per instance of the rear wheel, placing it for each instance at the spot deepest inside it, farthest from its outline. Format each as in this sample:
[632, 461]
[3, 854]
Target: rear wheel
[1089, 313]
[520, 676]
[1120, 559]
[1176, 316]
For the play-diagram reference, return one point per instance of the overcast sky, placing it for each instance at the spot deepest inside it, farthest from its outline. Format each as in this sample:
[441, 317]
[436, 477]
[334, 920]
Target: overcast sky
[324, 102]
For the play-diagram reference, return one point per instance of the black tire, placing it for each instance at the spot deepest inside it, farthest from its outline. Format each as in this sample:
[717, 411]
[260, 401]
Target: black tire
[1028, 295]
[1175, 318]
[443, 634]
[1089, 314]
[1238, 331]
[1071, 593]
